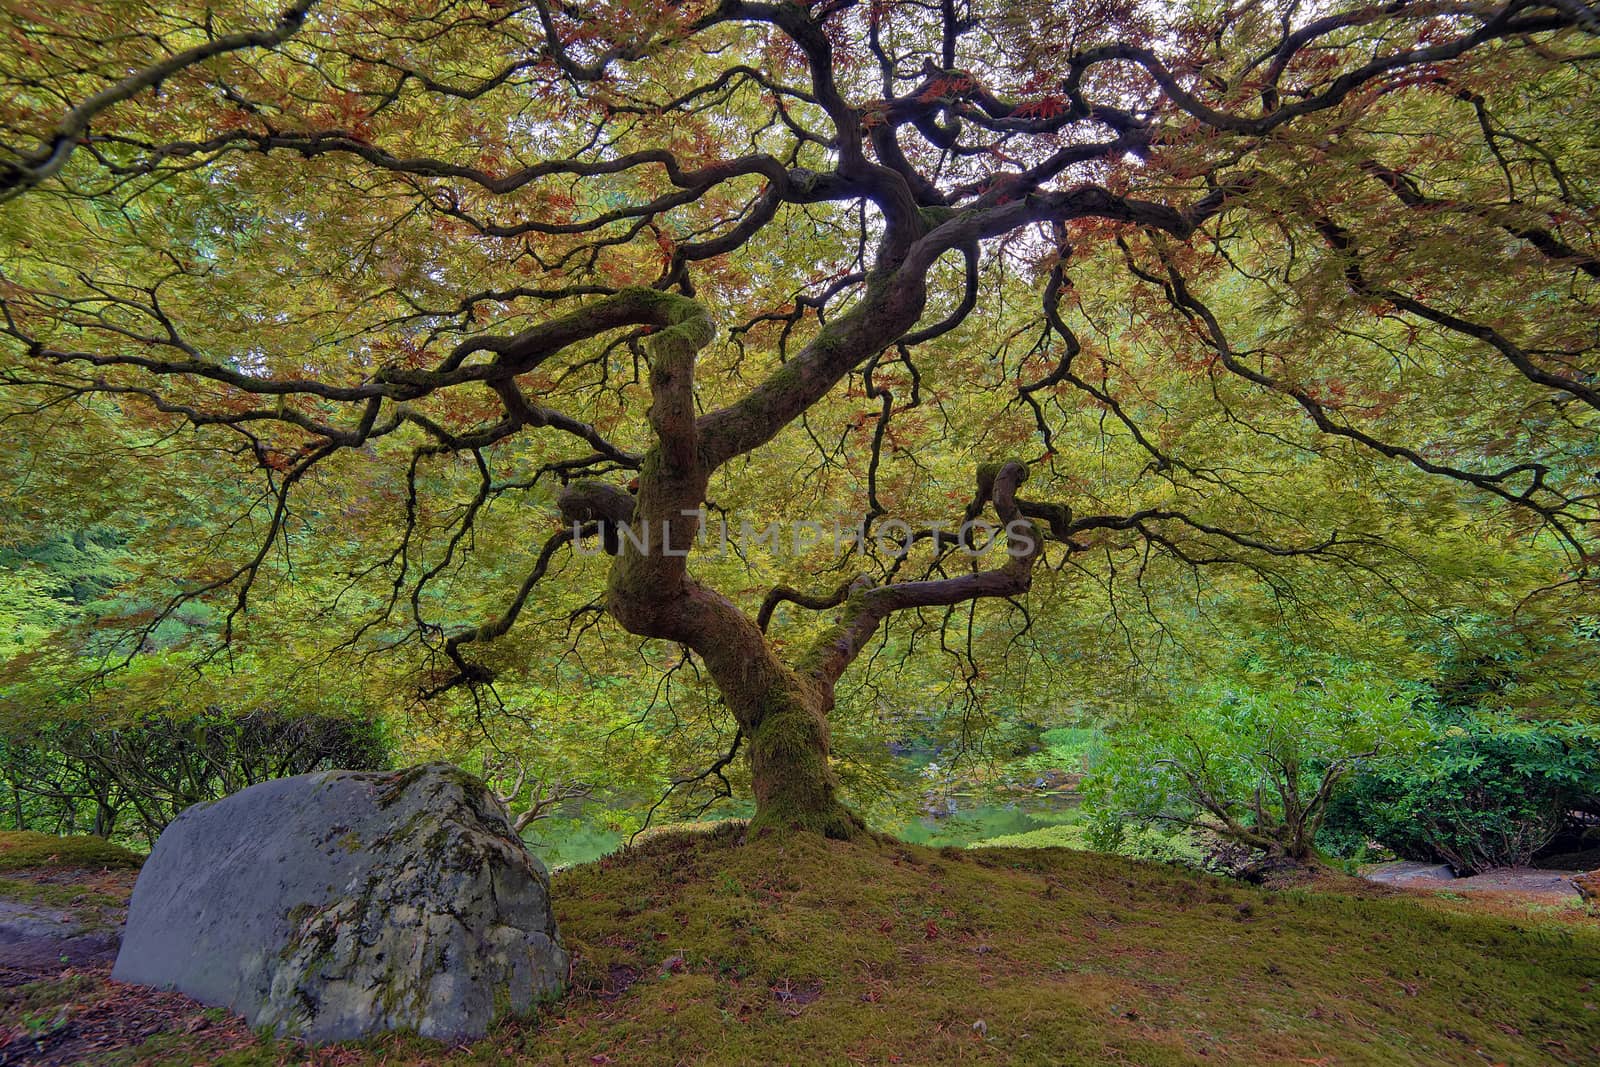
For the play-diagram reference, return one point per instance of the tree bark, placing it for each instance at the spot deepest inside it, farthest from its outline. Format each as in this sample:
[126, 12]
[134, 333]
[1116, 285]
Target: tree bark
[651, 594]
[785, 717]
[782, 710]
[794, 783]
[782, 713]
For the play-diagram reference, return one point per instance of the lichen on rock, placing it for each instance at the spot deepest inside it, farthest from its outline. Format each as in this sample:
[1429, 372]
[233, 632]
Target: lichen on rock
[341, 904]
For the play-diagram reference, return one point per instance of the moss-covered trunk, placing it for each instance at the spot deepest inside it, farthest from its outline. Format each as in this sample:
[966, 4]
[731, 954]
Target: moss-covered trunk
[793, 780]
[782, 713]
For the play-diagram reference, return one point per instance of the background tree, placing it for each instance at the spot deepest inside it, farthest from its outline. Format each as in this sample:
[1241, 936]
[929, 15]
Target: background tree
[1253, 766]
[1487, 791]
[1506, 775]
[1264, 289]
[133, 778]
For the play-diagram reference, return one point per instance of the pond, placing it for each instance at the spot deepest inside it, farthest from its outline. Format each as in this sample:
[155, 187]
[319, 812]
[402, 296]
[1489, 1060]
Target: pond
[971, 822]
[562, 842]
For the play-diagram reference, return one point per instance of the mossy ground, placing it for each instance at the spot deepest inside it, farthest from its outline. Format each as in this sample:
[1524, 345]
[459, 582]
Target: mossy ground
[21, 849]
[696, 948]
[58, 895]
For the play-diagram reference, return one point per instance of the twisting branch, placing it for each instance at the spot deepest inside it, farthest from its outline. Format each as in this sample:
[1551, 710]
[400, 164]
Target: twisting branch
[784, 594]
[723, 790]
[472, 673]
[865, 608]
[529, 801]
[1343, 242]
[1551, 246]
[1179, 294]
[31, 167]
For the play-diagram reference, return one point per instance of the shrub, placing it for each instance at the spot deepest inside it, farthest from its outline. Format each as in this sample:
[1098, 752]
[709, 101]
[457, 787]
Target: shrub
[1487, 791]
[131, 779]
[1253, 765]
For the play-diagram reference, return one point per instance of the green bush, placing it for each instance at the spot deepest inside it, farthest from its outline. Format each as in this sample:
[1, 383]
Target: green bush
[1487, 791]
[1253, 764]
[129, 780]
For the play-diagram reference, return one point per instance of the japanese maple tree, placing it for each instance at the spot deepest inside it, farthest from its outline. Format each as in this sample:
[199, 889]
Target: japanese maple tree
[636, 249]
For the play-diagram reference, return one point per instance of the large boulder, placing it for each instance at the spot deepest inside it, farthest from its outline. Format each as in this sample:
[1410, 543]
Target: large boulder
[340, 904]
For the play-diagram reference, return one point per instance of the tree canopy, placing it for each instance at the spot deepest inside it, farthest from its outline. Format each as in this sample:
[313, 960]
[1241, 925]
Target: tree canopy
[427, 323]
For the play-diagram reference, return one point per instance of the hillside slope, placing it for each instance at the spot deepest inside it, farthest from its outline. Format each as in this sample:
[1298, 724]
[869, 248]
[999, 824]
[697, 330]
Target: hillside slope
[699, 949]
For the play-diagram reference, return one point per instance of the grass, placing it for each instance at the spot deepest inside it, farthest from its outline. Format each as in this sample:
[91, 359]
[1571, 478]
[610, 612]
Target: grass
[55, 894]
[1140, 843]
[694, 948]
[20, 849]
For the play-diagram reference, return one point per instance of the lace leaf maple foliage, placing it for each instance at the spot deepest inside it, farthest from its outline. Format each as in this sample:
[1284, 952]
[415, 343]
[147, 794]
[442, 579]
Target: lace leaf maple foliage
[1127, 280]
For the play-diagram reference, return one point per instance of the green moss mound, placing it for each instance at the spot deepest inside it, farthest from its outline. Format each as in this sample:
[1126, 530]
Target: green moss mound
[808, 950]
[1139, 843]
[708, 948]
[25, 848]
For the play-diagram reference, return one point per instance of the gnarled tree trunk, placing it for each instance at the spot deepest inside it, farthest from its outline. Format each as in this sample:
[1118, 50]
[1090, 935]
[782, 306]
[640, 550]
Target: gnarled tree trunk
[781, 709]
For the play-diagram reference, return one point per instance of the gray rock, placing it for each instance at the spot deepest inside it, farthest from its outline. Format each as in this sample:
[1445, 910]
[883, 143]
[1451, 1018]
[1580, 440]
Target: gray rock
[21, 921]
[340, 904]
[1408, 872]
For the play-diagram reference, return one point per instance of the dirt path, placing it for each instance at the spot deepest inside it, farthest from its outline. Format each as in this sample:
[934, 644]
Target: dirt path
[1526, 881]
[59, 933]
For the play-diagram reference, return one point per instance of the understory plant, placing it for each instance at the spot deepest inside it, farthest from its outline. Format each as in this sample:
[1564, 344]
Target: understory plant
[1253, 762]
[1487, 790]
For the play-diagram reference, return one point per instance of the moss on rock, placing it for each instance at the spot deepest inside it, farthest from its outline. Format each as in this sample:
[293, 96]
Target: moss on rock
[342, 904]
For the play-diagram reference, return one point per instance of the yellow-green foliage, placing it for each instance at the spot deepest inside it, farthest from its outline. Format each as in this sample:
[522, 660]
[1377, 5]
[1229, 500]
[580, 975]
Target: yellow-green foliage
[25, 848]
[695, 949]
